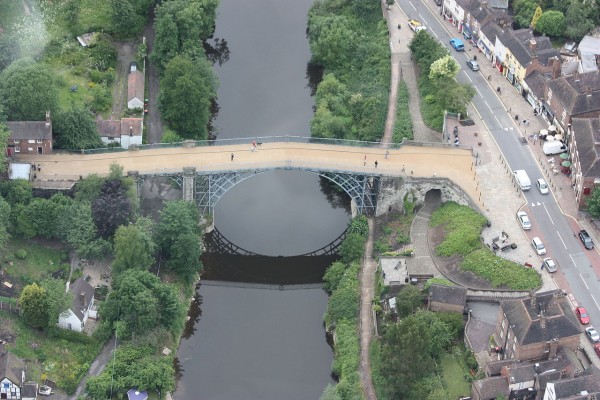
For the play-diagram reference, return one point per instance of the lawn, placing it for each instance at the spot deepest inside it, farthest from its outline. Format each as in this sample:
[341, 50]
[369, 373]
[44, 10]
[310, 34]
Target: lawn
[41, 262]
[64, 359]
[94, 15]
[66, 97]
[453, 375]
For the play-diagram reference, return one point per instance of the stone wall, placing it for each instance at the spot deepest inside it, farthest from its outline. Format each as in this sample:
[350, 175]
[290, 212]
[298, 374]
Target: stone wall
[393, 190]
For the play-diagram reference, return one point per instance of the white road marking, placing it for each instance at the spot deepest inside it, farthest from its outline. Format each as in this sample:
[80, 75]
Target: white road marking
[593, 298]
[571, 257]
[422, 19]
[412, 5]
[549, 216]
[498, 121]
[539, 204]
[478, 91]
[586, 285]
[561, 239]
[532, 204]
[469, 78]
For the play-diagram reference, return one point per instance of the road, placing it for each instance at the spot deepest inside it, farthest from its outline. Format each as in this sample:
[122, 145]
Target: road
[556, 231]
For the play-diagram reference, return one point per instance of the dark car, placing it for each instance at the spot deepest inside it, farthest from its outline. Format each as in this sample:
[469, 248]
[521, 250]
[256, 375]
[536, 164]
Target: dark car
[586, 239]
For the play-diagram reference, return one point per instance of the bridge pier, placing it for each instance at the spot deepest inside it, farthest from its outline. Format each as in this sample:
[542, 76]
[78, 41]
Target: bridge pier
[189, 183]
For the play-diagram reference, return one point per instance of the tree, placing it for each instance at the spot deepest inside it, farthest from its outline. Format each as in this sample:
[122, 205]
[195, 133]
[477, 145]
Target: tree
[4, 135]
[27, 91]
[9, 50]
[81, 231]
[166, 43]
[333, 276]
[58, 300]
[123, 17]
[579, 19]
[444, 68]
[536, 16]
[112, 208]
[176, 218]
[524, 11]
[408, 300]
[16, 191]
[331, 39]
[551, 23]
[4, 221]
[33, 306]
[185, 256]
[170, 137]
[89, 188]
[134, 248]
[453, 96]
[593, 203]
[76, 129]
[352, 247]
[187, 89]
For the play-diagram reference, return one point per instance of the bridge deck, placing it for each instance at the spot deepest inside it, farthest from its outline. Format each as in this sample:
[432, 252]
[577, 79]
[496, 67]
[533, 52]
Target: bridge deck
[418, 161]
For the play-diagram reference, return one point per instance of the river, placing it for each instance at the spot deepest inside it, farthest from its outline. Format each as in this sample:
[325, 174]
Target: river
[251, 341]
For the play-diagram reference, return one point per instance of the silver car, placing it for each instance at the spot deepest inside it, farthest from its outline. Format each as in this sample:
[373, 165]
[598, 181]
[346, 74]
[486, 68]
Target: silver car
[524, 220]
[549, 265]
[538, 246]
[473, 65]
[592, 334]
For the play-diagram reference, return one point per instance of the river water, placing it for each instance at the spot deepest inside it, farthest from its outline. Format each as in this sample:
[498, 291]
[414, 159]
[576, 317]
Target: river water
[260, 341]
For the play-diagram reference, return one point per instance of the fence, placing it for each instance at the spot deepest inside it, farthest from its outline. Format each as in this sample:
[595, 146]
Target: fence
[10, 307]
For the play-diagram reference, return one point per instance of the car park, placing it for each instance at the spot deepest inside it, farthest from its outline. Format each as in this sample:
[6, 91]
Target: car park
[542, 186]
[473, 65]
[457, 44]
[549, 265]
[524, 220]
[585, 238]
[592, 334]
[538, 246]
[582, 315]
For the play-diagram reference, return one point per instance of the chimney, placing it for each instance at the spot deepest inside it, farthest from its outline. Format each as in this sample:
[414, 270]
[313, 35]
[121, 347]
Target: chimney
[553, 349]
[82, 298]
[47, 119]
[532, 45]
[556, 67]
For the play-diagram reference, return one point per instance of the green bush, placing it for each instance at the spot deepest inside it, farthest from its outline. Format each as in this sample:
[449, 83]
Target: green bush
[462, 226]
[21, 254]
[403, 128]
[499, 271]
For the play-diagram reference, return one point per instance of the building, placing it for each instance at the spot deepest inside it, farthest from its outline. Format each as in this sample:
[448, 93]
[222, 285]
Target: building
[583, 387]
[135, 89]
[589, 54]
[125, 131]
[12, 375]
[81, 308]
[584, 149]
[30, 137]
[444, 298]
[536, 327]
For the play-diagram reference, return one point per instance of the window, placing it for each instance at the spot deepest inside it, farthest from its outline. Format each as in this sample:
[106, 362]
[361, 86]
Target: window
[31, 141]
[38, 140]
[17, 140]
[17, 149]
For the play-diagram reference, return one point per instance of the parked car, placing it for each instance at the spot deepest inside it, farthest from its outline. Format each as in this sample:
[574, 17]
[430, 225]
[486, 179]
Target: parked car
[416, 26]
[592, 334]
[542, 186]
[473, 65]
[538, 246]
[457, 44]
[524, 220]
[597, 349]
[587, 241]
[549, 265]
[582, 315]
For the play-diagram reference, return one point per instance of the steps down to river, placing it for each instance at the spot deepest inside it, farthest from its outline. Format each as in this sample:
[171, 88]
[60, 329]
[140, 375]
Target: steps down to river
[495, 295]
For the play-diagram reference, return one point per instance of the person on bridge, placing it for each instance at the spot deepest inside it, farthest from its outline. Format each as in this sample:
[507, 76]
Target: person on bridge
[232, 156]
[376, 163]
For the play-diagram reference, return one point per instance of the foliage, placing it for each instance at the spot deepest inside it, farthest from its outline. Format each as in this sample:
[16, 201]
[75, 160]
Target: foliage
[536, 16]
[359, 225]
[112, 208]
[27, 91]
[76, 129]
[499, 271]
[352, 247]
[124, 19]
[344, 300]
[331, 39]
[346, 362]
[103, 55]
[330, 393]
[169, 136]
[21, 254]
[444, 68]
[376, 365]
[4, 135]
[89, 188]
[437, 281]
[134, 248]
[403, 128]
[333, 276]
[81, 233]
[187, 89]
[579, 19]
[57, 300]
[462, 226]
[4, 221]
[185, 256]
[408, 300]
[551, 23]
[593, 203]
[32, 302]
[176, 218]
[16, 191]
[524, 11]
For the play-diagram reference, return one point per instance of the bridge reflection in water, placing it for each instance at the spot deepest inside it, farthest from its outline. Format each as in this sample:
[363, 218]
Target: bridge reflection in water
[225, 261]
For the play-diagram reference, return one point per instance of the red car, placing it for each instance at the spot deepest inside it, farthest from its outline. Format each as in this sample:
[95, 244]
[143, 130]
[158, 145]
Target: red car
[583, 316]
[597, 349]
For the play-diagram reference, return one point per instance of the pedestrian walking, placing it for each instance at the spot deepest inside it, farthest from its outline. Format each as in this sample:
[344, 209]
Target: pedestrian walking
[542, 266]
[365, 161]
[254, 145]
[403, 168]
[387, 153]
[232, 156]
[376, 163]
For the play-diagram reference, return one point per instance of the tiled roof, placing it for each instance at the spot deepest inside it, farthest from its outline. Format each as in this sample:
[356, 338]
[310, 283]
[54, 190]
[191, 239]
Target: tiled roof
[528, 371]
[80, 303]
[587, 137]
[109, 128]
[525, 318]
[491, 29]
[448, 294]
[131, 126]
[588, 382]
[578, 93]
[536, 83]
[11, 367]
[491, 388]
[29, 130]
[135, 85]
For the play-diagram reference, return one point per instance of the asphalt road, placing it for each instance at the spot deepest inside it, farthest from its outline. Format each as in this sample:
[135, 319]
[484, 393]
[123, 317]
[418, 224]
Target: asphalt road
[556, 232]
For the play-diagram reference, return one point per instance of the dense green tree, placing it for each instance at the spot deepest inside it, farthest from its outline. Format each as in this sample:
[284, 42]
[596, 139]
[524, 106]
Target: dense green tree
[524, 11]
[551, 23]
[333, 276]
[32, 302]
[170, 137]
[112, 208]
[331, 39]
[187, 89]
[89, 188]
[16, 191]
[27, 91]
[453, 96]
[593, 203]
[4, 135]
[166, 43]
[408, 300]
[579, 19]
[103, 54]
[124, 20]
[176, 218]
[444, 68]
[352, 247]
[4, 221]
[81, 232]
[185, 256]
[426, 49]
[9, 50]
[58, 300]
[134, 248]
[76, 129]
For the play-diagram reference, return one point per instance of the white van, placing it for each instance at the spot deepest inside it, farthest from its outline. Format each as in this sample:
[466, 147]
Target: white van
[522, 179]
[554, 147]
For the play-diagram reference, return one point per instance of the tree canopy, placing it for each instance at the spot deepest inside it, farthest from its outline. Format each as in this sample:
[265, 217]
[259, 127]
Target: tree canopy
[134, 248]
[593, 203]
[76, 129]
[551, 23]
[4, 135]
[331, 39]
[27, 91]
[112, 208]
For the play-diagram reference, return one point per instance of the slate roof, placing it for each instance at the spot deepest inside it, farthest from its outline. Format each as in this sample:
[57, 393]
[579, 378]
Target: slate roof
[448, 294]
[490, 388]
[131, 126]
[587, 136]
[116, 128]
[29, 390]
[589, 381]
[578, 93]
[29, 130]
[528, 371]
[79, 305]
[527, 324]
[519, 44]
[11, 367]
[537, 84]
[135, 85]
[490, 29]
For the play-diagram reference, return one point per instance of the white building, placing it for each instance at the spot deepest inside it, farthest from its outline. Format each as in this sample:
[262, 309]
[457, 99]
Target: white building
[81, 308]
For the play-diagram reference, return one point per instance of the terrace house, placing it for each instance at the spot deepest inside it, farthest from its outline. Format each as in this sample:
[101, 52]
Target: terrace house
[30, 137]
[584, 148]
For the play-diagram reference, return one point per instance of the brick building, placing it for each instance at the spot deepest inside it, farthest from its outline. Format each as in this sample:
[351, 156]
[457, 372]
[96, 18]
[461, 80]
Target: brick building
[447, 298]
[30, 137]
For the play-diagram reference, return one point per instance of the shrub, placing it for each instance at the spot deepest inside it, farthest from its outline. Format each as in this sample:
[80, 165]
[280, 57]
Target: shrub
[21, 254]
[462, 226]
